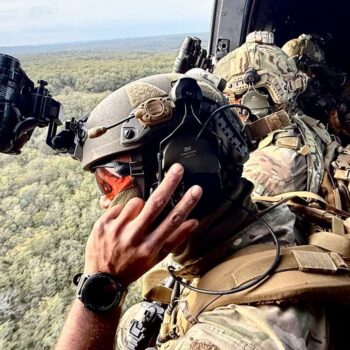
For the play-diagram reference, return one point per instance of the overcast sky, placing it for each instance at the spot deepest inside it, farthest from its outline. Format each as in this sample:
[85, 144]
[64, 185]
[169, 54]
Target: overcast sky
[27, 22]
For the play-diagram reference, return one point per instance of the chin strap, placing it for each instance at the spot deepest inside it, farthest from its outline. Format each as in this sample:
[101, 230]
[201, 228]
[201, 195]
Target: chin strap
[139, 176]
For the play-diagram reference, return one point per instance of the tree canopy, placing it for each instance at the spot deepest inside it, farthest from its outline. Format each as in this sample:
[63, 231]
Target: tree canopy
[48, 204]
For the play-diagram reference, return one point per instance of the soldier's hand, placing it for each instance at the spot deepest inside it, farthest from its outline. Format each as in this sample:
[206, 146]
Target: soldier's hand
[122, 242]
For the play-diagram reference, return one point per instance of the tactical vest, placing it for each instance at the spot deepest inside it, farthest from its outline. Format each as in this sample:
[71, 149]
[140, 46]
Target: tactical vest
[317, 271]
[336, 182]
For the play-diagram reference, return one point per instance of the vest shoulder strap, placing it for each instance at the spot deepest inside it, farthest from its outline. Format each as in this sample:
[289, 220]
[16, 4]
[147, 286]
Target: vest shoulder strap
[305, 273]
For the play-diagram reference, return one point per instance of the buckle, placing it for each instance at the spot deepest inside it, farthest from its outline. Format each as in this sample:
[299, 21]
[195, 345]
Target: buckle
[342, 174]
[136, 169]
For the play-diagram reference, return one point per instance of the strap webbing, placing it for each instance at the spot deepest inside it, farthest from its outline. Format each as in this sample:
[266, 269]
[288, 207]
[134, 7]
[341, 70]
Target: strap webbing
[331, 242]
[305, 195]
[264, 126]
[288, 283]
[152, 288]
[289, 195]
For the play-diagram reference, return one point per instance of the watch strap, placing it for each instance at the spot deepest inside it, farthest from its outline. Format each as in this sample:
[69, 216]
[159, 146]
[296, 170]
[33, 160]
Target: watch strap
[79, 280]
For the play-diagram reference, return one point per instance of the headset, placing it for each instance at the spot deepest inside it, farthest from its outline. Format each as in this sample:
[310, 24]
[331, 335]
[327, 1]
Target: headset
[211, 146]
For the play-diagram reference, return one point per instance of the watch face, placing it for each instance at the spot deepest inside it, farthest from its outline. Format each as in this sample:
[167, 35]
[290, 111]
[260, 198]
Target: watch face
[101, 293]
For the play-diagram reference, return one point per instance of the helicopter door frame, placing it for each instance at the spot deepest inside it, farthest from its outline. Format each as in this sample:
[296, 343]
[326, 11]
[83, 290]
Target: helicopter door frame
[229, 23]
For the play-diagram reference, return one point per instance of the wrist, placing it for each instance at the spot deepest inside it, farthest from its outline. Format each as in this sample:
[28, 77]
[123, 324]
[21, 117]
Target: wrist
[92, 269]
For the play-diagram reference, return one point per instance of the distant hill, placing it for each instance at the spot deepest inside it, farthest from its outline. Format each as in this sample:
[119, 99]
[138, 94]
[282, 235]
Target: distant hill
[147, 44]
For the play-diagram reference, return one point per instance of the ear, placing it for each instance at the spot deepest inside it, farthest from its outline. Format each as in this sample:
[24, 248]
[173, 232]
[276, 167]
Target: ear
[104, 202]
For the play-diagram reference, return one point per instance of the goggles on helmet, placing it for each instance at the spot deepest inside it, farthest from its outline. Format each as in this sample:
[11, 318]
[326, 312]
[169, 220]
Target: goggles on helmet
[113, 178]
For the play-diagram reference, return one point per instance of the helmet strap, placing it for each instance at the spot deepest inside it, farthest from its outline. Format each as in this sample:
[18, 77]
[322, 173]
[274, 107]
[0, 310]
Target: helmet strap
[140, 180]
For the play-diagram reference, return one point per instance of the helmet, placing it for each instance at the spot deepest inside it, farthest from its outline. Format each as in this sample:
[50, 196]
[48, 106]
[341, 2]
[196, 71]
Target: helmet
[259, 63]
[305, 46]
[116, 107]
[168, 118]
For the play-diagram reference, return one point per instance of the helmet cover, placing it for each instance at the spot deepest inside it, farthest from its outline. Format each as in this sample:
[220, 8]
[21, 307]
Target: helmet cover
[277, 73]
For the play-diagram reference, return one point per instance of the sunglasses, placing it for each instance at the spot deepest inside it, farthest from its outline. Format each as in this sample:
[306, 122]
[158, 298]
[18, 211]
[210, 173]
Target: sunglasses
[113, 178]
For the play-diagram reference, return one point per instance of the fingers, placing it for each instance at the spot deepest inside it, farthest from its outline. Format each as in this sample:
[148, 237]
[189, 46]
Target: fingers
[161, 196]
[123, 214]
[176, 217]
[112, 213]
[131, 210]
[177, 237]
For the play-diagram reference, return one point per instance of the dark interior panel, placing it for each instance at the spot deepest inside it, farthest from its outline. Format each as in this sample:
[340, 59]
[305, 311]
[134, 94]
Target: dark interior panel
[289, 18]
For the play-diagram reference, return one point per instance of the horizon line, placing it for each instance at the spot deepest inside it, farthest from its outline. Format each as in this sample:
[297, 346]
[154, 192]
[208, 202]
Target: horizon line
[97, 40]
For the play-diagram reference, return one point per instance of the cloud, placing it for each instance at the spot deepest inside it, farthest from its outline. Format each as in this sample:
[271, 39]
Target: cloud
[36, 19]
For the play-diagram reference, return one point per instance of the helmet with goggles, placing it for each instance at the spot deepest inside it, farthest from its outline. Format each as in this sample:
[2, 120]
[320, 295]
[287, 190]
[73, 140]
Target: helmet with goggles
[305, 46]
[260, 66]
[160, 120]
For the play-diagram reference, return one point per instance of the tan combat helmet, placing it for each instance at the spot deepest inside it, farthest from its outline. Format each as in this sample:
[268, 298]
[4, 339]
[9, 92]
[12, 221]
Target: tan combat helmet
[116, 107]
[304, 46]
[259, 63]
[150, 111]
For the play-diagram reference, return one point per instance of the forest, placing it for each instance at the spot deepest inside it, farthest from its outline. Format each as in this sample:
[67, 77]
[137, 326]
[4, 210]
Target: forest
[47, 203]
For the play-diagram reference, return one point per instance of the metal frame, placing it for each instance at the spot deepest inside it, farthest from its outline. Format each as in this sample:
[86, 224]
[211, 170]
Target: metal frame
[229, 23]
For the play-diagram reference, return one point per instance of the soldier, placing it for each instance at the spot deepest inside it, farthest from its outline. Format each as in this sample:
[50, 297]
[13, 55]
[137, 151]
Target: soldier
[292, 147]
[327, 95]
[235, 292]
[327, 99]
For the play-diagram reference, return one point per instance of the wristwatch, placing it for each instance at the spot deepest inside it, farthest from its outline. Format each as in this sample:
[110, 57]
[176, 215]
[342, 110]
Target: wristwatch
[100, 292]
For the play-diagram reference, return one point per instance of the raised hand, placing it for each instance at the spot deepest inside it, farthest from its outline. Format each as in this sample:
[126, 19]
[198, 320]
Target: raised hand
[124, 242]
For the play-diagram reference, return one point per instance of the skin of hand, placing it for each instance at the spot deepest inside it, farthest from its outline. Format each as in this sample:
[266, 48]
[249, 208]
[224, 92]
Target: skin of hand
[122, 242]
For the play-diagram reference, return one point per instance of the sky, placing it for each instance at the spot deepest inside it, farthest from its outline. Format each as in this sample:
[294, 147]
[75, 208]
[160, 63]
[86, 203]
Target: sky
[28, 22]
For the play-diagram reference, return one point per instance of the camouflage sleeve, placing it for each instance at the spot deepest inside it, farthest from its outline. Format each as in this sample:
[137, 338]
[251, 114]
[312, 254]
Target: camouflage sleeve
[274, 170]
[264, 327]
[135, 312]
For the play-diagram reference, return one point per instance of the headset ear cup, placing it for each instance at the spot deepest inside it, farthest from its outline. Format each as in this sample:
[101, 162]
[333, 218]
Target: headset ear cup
[202, 167]
[196, 155]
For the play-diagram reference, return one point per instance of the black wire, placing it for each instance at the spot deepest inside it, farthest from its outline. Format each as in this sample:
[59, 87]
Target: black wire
[220, 109]
[120, 122]
[160, 151]
[246, 285]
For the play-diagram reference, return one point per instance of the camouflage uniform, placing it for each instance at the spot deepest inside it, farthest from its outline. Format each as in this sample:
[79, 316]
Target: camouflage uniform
[290, 159]
[248, 327]
[326, 98]
[262, 327]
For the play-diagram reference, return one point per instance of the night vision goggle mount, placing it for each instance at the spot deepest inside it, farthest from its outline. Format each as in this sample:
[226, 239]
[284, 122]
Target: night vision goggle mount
[192, 55]
[23, 107]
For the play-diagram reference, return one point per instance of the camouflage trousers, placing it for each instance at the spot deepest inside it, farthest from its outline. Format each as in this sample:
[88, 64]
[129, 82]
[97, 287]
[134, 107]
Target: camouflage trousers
[247, 327]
